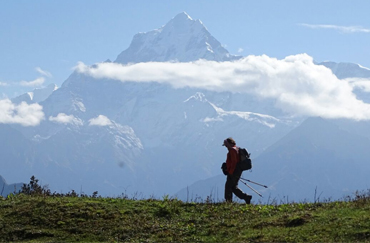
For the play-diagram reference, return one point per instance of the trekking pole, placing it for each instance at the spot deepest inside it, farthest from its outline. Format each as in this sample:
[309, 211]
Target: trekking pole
[253, 182]
[252, 189]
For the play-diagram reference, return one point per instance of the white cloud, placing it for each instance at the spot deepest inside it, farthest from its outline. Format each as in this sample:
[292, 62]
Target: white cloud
[66, 119]
[43, 72]
[360, 83]
[240, 50]
[343, 29]
[23, 114]
[298, 85]
[100, 121]
[36, 82]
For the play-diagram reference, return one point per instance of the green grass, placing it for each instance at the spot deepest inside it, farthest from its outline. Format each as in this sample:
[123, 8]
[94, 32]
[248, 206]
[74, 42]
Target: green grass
[41, 218]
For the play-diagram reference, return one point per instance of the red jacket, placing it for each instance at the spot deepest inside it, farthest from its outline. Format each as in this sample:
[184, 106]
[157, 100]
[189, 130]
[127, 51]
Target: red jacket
[232, 159]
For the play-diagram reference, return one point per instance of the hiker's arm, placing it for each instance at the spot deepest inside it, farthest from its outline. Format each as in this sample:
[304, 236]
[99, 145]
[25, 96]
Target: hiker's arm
[233, 159]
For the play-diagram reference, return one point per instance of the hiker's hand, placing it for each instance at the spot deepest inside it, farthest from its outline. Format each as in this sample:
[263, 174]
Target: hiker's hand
[224, 169]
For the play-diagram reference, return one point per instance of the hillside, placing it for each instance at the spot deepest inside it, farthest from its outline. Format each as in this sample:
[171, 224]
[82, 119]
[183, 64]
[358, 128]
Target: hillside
[71, 218]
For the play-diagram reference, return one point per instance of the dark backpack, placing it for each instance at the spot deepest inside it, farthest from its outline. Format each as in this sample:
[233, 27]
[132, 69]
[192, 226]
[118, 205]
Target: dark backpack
[245, 162]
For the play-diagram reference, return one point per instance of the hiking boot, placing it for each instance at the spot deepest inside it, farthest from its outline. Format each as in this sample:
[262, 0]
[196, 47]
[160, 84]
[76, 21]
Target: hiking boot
[248, 199]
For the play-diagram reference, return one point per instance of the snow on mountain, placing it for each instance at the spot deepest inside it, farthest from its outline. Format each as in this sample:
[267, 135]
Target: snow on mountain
[249, 116]
[36, 96]
[181, 39]
[347, 70]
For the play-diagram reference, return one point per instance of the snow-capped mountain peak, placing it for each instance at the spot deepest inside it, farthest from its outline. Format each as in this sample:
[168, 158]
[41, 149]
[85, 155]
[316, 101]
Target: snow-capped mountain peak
[182, 17]
[181, 39]
[182, 23]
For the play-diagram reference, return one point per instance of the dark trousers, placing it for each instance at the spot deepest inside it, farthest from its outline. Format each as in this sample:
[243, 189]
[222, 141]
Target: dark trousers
[231, 186]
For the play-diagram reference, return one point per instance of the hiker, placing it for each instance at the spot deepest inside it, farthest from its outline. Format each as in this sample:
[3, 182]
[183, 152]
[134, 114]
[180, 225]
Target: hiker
[233, 172]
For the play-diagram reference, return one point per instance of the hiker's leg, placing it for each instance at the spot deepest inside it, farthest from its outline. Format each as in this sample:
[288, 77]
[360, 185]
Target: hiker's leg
[239, 193]
[236, 190]
[229, 188]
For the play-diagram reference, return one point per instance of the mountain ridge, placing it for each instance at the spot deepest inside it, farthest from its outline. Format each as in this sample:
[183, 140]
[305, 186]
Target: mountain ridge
[347, 70]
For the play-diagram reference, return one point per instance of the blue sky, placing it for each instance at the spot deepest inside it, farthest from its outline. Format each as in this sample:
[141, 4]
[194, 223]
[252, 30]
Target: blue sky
[44, 40]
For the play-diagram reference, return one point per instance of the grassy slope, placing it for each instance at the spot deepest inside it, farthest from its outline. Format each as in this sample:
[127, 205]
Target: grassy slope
[39, 218]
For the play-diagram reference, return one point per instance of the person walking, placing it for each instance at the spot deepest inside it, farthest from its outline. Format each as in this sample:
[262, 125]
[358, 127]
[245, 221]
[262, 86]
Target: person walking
[233, 172]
